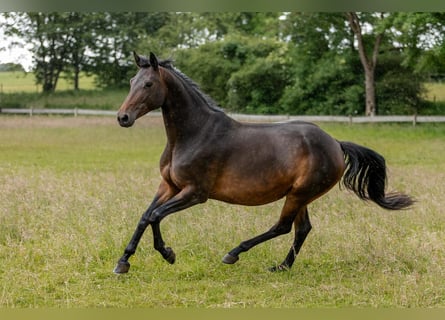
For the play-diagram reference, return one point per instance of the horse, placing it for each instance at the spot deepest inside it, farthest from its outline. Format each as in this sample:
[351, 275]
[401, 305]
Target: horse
[209, 155]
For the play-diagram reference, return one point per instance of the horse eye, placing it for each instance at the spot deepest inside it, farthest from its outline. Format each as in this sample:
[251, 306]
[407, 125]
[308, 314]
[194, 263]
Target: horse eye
[148, 84]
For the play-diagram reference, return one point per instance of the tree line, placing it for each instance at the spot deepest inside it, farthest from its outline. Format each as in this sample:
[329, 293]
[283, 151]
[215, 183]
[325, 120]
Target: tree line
[268, 62]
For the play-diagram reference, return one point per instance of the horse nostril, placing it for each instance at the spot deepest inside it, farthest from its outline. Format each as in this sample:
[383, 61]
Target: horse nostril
[123, 119]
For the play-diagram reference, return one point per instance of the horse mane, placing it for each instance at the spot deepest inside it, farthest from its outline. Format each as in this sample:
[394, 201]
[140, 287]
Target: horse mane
[189, 83]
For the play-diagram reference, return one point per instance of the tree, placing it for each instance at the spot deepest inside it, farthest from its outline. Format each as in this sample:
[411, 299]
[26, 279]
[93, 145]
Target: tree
[264, 73]
[422, 41]
[329, 70]
[114, 36]
[11, 67]
[45, 31]
[78, 27]
[240, 62]
[324, 64]
[57, 40]
[368, 59]
[72, 42]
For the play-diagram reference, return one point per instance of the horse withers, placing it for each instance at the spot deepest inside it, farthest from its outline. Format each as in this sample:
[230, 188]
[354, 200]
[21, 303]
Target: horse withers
[209, 155]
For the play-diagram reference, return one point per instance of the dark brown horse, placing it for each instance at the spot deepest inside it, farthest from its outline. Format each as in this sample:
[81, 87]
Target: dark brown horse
[211, 156]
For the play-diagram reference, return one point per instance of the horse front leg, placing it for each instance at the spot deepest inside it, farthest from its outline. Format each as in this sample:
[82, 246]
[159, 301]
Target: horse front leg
[123, 265]
[183, 200]
[164, 193]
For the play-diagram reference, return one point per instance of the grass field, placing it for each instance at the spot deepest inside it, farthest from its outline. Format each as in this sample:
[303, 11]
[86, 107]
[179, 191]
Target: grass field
[73, 189]
[16, 81]
[435, 91]
[18, 90]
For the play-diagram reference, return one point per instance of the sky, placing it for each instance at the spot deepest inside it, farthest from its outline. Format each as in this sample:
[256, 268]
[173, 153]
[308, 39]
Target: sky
[13, 55]
[17, 55]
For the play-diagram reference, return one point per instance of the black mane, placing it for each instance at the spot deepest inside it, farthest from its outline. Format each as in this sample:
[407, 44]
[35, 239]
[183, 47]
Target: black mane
[168, 64]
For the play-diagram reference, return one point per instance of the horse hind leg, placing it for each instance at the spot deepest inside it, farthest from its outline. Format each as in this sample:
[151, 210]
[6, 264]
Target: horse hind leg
[167, 253]
[283, 226]
[302, 226]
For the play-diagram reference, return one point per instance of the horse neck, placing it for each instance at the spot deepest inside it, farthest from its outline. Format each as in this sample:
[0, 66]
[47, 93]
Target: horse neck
[184, 111]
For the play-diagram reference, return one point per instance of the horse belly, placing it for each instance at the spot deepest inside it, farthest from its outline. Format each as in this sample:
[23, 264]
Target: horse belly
[250, 190]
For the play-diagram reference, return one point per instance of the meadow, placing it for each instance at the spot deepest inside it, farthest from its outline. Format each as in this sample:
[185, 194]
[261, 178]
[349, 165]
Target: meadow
[72, 191]
[19, 81]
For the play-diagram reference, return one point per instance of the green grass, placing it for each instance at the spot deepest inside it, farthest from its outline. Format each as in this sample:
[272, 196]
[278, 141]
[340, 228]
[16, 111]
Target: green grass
[15, 81]
[73, 189]
[18, 90]
[435, 91]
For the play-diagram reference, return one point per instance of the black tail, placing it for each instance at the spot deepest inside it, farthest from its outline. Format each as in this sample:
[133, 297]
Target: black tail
[365, 174]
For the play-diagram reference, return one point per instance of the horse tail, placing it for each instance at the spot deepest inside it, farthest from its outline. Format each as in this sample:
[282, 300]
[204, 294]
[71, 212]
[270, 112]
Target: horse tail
[365, 174]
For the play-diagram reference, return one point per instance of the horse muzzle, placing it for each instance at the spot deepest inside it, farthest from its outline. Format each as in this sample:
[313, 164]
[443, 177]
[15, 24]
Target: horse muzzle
[125, 119]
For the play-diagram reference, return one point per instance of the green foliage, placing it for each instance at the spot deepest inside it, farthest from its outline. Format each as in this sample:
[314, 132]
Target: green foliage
[399, 89]
[331, 85]
[258, 86]
[118, 34]
[11, 67]
[208, 66]
[265, 62]
[241, 73]
[334, 85]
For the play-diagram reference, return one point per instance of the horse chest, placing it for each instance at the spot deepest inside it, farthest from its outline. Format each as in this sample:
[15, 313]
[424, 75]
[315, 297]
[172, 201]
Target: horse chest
[187, 168]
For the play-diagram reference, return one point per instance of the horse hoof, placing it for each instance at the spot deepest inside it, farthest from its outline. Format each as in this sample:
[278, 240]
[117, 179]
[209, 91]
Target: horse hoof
[170, 256]
[229, 259]
[122, 267]
[279, 268]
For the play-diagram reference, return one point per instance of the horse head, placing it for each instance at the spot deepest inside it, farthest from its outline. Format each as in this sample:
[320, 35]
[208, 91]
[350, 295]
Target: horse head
[147, 91]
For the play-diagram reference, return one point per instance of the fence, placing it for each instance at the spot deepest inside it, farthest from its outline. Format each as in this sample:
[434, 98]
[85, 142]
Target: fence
[414, 119]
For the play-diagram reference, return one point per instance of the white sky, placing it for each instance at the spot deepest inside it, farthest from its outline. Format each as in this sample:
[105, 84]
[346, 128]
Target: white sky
[15, 55]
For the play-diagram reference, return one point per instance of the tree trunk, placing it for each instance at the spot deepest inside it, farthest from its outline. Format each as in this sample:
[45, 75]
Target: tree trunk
[369, 64]
[76, 77]
[370, 92]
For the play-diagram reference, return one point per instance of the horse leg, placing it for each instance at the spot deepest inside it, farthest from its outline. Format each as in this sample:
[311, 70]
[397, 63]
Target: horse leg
[302, 226]
[183, 200]
[123, 265]
[167, 253]
[165, 192]
[284, 225]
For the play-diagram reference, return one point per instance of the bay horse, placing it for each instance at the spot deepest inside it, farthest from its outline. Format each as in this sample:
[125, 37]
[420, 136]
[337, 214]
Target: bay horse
[209, 155]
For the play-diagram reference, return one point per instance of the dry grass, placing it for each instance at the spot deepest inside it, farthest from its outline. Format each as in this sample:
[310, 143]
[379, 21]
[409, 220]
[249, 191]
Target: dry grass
[72, 191]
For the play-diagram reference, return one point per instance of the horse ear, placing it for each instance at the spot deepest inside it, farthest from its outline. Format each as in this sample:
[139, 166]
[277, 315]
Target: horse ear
[137, 59]
[153, 61]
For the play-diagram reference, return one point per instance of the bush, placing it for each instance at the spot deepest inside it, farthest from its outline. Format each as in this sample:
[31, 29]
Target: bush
[398, 89]
[328, 85]
[242, 74]
[258, 87]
